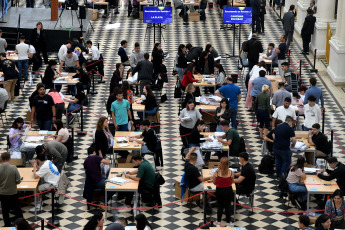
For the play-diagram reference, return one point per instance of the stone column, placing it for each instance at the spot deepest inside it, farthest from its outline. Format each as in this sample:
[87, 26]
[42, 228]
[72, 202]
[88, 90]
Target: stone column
[336, 67]
[288, 3]
[325, 14]
[302, 6]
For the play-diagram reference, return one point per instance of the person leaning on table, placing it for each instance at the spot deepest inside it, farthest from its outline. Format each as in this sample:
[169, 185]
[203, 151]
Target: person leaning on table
[335, 208]
[338, 172]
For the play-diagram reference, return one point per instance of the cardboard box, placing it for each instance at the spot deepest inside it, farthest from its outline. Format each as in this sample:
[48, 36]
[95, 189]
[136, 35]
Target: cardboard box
[194, 17]
[125, 162]
[19, 161]
[301, 134]
[28, 116]
[186, 194]
[94, 14]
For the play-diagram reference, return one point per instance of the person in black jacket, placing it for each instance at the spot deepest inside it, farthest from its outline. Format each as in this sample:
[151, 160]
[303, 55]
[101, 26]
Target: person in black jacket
[50, 74]
[117, 77]
[253, 48]
[157, 58]
[147, 139]
[206, 63]
[223, 112]
[159, 79]
[38, 40]
[338, 172]
[35, 93]
[307, 30]
[181, 64]
[256, 16]
[145, 72]
[83, 78]
[104, 140]
[150, 102]
[79, 49]
[262, 6]
[190, 95]
[193, 53]
[111, 99]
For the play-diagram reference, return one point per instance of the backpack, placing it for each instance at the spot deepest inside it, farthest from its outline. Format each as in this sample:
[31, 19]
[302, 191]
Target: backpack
[242, 145]
[135, 13]
[266, 165]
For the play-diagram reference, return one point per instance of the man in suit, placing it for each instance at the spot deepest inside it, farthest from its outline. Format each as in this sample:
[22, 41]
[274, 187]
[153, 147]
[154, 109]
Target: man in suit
[145, 72]
[254, 48]
[307, 30]
[289, 25]
[256, 16]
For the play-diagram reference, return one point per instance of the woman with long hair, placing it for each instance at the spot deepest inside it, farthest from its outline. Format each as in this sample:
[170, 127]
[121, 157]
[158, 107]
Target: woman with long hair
[223, 112]
[117, 77]
[62, 134]
[16, 133]
[83, 78]
[95, 223]
[76, 102]
[190, 94]
[335, 208]
[323, 222]
[188, 76]
[142, 223]
[223, 179]
[296, 174]
[59, 103]
[104, 140]
[181, 61]
[50, 74]
[38, 40]
[157, 58]
[149, 102]
[220, 74]
[22, 224]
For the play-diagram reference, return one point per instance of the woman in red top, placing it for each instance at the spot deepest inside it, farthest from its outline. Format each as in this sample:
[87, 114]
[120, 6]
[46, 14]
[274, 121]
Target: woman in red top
[188, 77]
[223, 179]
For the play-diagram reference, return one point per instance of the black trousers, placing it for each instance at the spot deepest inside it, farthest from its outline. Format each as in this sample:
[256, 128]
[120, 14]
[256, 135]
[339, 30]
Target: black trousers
[10, 202]
[184, 131]
[262, 22]
[224, 198]
[306, 40]
[42, 49]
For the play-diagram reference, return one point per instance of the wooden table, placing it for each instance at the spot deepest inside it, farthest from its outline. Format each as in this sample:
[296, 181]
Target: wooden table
[137, 106]
[224, 147]
[32, 144]
[235, 3]
[207, 173]
[201, 81]
[29, 183]
[131, 186]
[130, 145]
[315, 185]
[68, 81]
[11, 55]
[101, 3]
[207, 108]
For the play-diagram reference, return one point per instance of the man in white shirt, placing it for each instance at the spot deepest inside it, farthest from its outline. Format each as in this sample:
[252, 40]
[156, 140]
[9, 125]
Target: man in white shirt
[312, 113]
[22, 50]
[71, 61]
[48, 172]
[63, 49]
[35, 60]
[284, 111]
[93, 62]
[3, 43]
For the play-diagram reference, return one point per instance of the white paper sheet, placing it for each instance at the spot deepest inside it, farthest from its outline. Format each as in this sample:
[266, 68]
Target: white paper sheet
[34, 138]
[43, 132]
[121, 139]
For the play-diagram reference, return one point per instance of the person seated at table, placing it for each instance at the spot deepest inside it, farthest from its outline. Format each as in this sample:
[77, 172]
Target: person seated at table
[232, 138]
[47, 172]
[258, 83]
[55, 151]
[59, 103]
[220, 75]
[190, 95]
[50, 74]
[195, 138]
[92, 166]
[145, 174]
[116, 79]
[83, 77]
[323, 222]
[294, 179]
[284, 111]
[338, 172]
[301, 91]
[193, 178]
[335, 208]
[142, 223]
[76, 103]
[188, 76]
[312, 114]
[297, 101]
[280, 95]
[147, 138]
[149, 102]
[62, 134]
[245, 181]
[269, 137]
[120, 224]
[304, 222]
[104, 140]
[263, 110]
[16, 133]
[206, 63]
[70, 60]
[319, 140]
[22, 224]
[223, 112]
[254, 73]
[223, 179]
[179, 4]
[271, 55]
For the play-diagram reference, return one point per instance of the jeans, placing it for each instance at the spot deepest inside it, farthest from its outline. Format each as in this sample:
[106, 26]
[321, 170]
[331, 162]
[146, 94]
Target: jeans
[283, 161]
[234, 117]
[23, 64]
[45, 125]
[122, 127]
[10, 202]
[101, 185]
[299, 188]
[75, 107]
[219, 129]
[150, 112]
[180, 72]
[306, 129]
[252, 63]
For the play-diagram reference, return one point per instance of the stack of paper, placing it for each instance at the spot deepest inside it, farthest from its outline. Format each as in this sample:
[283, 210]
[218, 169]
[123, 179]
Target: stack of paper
[34, 138]
[43, 132]
[118, 180]
[300, 146]
[310, 170]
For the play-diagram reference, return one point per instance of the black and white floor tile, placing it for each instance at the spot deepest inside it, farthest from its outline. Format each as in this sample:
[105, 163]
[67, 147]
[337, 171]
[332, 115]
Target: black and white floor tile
[73, 214]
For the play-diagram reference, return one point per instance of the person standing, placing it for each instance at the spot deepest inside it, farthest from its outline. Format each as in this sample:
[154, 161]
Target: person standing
[9, 178]
[116, 79]
[3, 43]
[10, 77]
[256, 16]
[258, 83]
[312, 114]
[44, 107]
[181, 64]
[315, 91]
[284, 111]
[120, 112]
[64, 48]
[289, 25]
[157, 58]
[281, 146]
[55, 151]
[263, 108]
[122, 53]
[308, 30]
[253, 48]
[137, 54]
[262, 5]
[70, 60]
[38, 39]
[22, 50]
[280, 95]
[145, 72]
[281, 50]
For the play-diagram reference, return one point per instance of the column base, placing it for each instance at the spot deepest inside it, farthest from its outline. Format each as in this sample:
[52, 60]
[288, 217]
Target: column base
[336, 68]
[318, 39]
[301, 14]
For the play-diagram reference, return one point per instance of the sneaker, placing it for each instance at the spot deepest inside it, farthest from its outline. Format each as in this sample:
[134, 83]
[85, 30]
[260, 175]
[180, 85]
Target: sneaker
[217, 224]
[37, 207]
[230, 225]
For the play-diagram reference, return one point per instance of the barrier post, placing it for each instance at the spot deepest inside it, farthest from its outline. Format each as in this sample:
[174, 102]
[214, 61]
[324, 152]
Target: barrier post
[314, 70]
[93, 85]
[323, 121]
[55, 222]
[42, 224]
[300, 68]
[81, 122]
[280, 13]
[289, 56]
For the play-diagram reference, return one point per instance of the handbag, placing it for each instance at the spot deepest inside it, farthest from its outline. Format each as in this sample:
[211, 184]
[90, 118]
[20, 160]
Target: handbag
[164, 98]
[177, 92]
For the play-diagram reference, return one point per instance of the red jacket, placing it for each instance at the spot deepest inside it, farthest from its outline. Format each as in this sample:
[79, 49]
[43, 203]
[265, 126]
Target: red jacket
[188, 78]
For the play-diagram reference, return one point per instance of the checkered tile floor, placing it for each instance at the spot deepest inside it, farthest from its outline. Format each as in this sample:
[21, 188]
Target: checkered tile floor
[74, 215]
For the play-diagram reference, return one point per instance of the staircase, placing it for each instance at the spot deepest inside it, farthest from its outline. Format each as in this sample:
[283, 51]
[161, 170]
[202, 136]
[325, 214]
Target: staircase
[12, 38]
